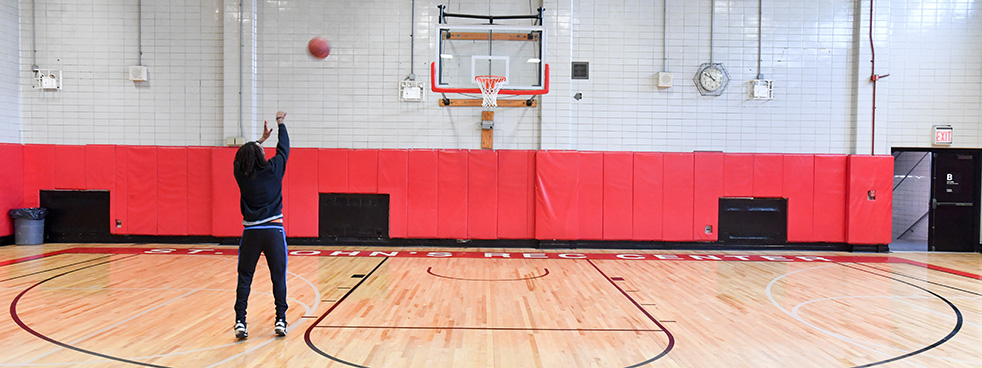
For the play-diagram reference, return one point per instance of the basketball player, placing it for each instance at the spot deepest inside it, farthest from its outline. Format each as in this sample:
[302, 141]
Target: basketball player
[261, 186]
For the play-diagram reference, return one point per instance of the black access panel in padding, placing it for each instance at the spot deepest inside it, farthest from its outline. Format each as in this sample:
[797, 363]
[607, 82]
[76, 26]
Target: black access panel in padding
[753, 220]
[347, 215]
[76, 216]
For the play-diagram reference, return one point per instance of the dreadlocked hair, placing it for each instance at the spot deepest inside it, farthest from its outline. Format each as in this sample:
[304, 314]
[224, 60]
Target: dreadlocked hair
[250, 158]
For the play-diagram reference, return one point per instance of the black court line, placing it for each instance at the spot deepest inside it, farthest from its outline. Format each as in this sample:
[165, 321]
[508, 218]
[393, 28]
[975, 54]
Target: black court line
[671, 338]
[429, 270]
[495, 328]
[958, 315]
[923, 280]
[57, 268]
[16, 318]
[306, 335]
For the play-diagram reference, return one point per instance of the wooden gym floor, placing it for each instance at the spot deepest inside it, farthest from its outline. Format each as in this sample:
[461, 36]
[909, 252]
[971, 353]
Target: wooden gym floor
[84, 305]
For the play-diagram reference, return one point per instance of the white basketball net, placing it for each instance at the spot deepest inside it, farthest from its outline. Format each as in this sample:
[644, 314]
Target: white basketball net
[490, 85]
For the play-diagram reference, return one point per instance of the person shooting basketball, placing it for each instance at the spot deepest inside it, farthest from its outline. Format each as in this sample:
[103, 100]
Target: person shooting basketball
[261, 187]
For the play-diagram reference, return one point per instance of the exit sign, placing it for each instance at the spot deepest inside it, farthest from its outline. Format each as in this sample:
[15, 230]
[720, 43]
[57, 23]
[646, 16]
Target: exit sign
[942, 134]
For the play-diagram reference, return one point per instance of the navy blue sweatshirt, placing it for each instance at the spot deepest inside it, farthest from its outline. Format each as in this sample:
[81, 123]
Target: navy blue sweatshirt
[262, 192]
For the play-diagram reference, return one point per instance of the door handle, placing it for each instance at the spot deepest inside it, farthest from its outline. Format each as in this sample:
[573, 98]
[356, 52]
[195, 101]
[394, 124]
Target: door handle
[934, 203]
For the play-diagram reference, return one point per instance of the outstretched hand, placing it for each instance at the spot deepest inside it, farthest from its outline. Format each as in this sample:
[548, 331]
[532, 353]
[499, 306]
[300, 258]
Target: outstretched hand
[280, 116]
[266, 131]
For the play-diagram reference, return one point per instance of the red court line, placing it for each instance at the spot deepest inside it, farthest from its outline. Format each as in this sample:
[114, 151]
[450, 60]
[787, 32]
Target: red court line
[627, 256]
[494, 328]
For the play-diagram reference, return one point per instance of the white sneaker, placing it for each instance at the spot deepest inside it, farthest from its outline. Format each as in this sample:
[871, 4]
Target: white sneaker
[240, 330]
[280, 327]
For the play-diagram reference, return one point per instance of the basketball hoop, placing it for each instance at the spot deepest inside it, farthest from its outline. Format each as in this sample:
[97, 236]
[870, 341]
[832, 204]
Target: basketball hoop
[490, 85]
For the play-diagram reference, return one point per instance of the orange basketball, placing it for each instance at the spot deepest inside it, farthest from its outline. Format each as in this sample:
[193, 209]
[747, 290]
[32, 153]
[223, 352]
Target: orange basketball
[319, 47]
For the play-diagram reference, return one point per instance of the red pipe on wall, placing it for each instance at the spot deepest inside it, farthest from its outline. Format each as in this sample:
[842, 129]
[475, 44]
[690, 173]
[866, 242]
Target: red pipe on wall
[873, 78]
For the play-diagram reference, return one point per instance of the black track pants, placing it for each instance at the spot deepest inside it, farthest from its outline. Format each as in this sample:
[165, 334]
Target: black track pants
[269, 239]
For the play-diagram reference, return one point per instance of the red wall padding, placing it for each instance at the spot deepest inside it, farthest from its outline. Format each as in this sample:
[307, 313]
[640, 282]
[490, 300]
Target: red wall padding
[707, 188]
[451, 194]
[393, 179]
[12, 186]
[172, 190]
[141, 186]
[363, 171]
[868, 217]
[332, 165]
[302, 170]
[591, 197]
[482, 194]
[423, 194]
[799, 189]
[516, 194]
[648, 193]
[830, 199]
[69, 167]
[738, 173]
[39, 172]
[226, 215]
[618, 195]
[678, 197]
[200, 191]
[557, 184]
[100, 167]
[564, 195]
[768, 175]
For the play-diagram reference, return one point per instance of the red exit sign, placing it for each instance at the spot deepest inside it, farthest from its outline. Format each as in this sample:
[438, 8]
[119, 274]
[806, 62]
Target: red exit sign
[942, 134]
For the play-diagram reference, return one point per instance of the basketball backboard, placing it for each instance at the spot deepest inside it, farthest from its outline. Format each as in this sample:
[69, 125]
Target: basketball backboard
[514, 52]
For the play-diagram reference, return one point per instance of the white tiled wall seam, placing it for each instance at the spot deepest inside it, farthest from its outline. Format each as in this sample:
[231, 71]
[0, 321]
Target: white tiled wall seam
[9, 58]
[815, 51]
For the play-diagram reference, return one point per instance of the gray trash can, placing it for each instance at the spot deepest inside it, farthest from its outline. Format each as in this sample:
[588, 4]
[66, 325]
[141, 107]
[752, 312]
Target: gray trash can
[28, 225]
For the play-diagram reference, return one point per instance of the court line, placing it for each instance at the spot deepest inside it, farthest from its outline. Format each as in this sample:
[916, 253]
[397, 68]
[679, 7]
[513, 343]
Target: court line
[114, 325]
[32, 258]
[57, 268]
[429, 271]
[494, 328]
[306, 335]
[17, 320]
[671, 338]
[923, 280]
[954, 331]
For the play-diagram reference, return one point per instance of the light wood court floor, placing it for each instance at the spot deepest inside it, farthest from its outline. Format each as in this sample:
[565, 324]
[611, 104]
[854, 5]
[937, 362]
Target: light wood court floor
[83, 305]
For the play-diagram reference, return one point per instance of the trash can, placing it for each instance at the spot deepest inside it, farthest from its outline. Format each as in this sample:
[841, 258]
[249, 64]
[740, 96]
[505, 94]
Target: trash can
[28, 225]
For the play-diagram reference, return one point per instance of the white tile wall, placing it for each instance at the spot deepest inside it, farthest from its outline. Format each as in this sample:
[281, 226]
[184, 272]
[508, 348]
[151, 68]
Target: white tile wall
[10, 121]
[817, 52]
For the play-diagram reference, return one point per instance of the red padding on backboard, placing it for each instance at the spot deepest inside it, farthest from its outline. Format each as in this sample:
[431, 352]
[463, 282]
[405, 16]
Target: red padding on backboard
[557, 177]
[393, 179]
[870, 196]
[830, 199]
[226, 215]
[100, 168]
[738, 175]
[708, 188]
[451, 194]
[172, 191]
[799, 189]
[199, 191]
[768, 175]
[69, 167]
[302, 170]
[39, 172]
[648, 193]
[363, 171]
[591, 196]
[142, 190]
[11, 188]
[482, 194]
[516, 194]
[678, 196]
[332, 170]
[423, 194]
[618, 183]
